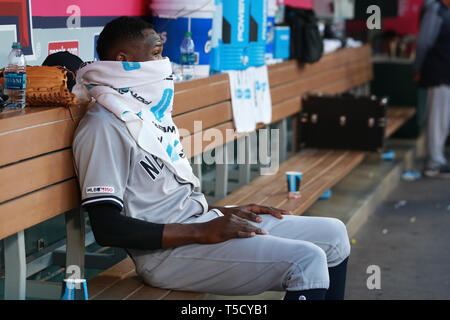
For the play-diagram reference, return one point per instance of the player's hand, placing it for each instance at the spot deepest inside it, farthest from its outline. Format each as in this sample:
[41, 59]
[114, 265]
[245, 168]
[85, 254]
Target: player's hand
[252, 211]
[225, 228]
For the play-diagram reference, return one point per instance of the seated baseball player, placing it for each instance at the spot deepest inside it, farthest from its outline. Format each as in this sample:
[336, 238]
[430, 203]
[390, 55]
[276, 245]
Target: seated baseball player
[138, 188]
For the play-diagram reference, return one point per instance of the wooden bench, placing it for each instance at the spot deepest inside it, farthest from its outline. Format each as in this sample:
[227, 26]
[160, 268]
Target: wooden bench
[42, 184]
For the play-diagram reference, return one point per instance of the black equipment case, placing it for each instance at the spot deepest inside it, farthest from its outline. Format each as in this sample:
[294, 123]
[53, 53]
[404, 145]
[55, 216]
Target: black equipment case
[343, 122]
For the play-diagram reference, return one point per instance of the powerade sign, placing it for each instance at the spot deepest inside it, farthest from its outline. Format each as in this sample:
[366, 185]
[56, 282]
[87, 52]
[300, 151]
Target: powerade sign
[264, 20]
[235, 24]
[231, 52]
[241, 20]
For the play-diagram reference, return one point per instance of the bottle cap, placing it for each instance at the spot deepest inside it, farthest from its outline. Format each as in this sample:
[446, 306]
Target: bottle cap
[16, 45]
[188, 34]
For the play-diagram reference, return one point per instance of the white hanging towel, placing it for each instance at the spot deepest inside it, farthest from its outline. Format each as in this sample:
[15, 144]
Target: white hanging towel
[242, 100]
[250, 98]
[263, 100]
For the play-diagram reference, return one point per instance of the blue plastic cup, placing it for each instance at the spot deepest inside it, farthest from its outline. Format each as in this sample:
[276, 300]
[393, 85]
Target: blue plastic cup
[294, 179]
[74, 289]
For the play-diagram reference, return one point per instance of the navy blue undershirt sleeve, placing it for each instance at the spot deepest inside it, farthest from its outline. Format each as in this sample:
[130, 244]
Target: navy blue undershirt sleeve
[112, 229]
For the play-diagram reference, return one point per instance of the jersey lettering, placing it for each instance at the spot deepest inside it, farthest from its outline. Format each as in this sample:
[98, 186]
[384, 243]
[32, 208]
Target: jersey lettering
[151, 168]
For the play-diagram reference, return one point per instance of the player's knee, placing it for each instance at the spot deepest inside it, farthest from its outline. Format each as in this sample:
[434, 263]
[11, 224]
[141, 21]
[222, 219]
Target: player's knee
[340, 236]
[309, 269]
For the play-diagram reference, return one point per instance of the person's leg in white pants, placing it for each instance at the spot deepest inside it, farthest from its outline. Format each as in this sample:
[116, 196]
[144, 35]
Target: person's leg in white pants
[294, 256]
[438, 124]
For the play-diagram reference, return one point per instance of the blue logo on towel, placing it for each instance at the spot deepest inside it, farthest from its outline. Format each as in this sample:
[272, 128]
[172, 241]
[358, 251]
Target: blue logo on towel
[261, 86]
[171, 151]
[162, 105]
[243, 94]
[248, 93]
[129, 66]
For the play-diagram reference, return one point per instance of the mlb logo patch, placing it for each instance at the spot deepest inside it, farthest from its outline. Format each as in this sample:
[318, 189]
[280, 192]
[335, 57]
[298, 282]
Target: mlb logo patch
[100, 190]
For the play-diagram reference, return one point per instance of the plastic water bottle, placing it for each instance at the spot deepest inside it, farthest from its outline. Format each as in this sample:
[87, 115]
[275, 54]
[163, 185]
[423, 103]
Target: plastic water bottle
[279, 14]
[187, 51]
[15, 78]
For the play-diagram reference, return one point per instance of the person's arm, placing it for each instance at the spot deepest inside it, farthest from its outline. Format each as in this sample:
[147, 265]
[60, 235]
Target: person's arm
[113, 229]
[429, 31]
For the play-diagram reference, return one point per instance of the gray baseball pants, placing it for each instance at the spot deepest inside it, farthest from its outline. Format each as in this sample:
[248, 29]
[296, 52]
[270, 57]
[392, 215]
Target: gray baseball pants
[438, 124]
[295, 255]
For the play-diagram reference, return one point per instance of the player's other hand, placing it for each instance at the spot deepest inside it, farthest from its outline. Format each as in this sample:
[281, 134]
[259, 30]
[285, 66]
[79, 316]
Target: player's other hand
[225, 228]
[252, 211]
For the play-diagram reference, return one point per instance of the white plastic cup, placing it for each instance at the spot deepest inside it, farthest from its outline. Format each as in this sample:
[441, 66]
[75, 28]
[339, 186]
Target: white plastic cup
[294, 179]
[74, 289]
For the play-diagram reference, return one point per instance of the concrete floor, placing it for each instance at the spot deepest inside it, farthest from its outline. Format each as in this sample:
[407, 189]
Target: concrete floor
[408, 238]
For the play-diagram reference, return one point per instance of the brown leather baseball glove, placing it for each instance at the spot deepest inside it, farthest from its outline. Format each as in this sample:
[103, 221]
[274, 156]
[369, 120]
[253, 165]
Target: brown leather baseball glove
[46, 86]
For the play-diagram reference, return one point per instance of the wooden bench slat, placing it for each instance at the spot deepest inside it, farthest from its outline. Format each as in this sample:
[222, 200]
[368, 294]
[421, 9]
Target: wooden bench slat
[258, 185]
[396, 117]
[333, 84]
[400, 112]
[279, 183]
[109, 277]
[149, 293]
[30, 175]
[209, 116]
[316, 189]
[121, 269]
[121, 289]
[218, 136]
[278, 188]
[13, 120]
[290, 70]
[271, 191]
[185, 295]
[199, 82]
[316, 181]
[34, 208]
[345, 84]
[286, 108]
[36, 140]
[201, 96]
[304, 84]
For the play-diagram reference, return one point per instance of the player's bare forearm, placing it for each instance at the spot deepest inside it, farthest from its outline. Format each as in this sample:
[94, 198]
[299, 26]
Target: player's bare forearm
[177, 234]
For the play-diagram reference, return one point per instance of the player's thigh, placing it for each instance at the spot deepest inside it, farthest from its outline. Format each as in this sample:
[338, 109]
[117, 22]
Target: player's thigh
[328, 233]
[242, 266]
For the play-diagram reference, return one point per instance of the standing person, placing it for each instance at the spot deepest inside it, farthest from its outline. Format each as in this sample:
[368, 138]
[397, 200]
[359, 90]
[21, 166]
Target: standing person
[432, 65]
[138, 188]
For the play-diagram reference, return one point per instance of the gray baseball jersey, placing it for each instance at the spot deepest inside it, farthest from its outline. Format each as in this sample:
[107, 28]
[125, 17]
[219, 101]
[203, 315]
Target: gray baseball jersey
[112, 168]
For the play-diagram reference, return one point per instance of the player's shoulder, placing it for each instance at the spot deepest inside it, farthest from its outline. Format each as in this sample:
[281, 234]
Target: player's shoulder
[99, 122]
[99, 116]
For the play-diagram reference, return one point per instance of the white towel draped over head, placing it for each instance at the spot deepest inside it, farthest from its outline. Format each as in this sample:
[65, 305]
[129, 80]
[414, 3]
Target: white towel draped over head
[141, 95]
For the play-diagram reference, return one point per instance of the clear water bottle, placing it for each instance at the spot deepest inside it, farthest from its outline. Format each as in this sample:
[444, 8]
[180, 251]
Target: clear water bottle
[279, 14]
[15, 78]
[187, 51]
